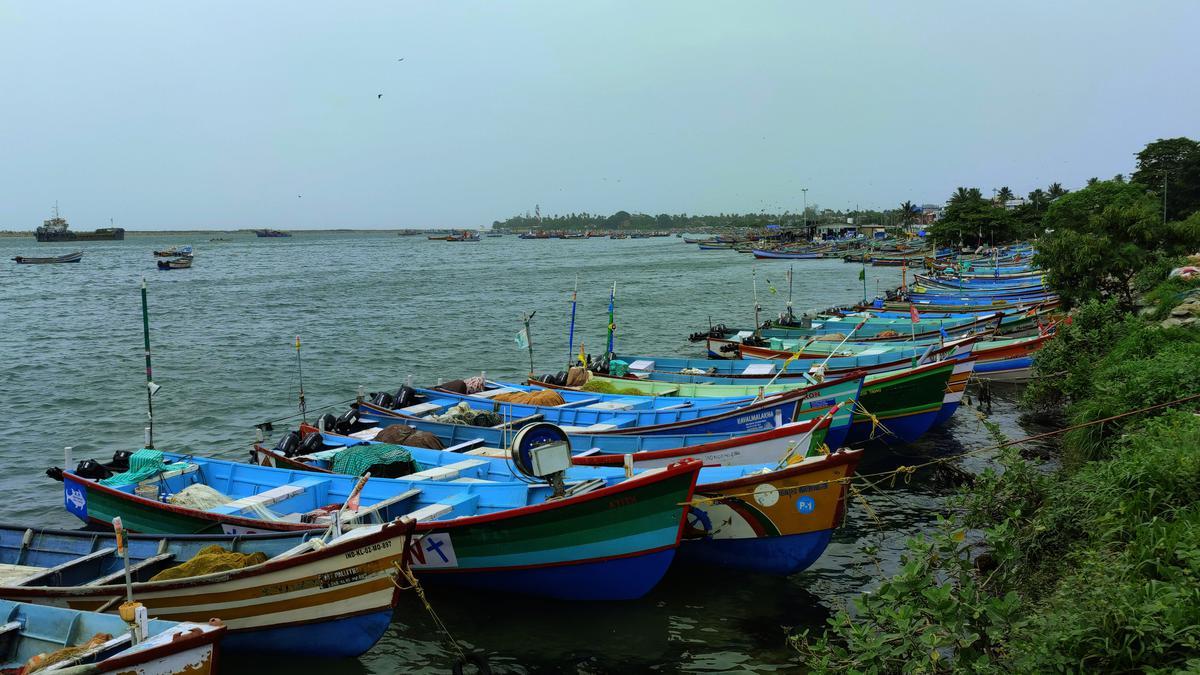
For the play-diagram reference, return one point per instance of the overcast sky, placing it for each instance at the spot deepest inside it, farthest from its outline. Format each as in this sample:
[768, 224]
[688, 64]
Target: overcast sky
[173, 115]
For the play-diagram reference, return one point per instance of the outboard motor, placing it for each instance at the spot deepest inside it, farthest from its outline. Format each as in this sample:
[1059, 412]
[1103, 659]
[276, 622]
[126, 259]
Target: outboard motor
[405, 397]
[288, 444]
[728, 348]
[90, 468]
[382, 399]
[120, 460]
[311, 443]
[345, 423]
[327, 422]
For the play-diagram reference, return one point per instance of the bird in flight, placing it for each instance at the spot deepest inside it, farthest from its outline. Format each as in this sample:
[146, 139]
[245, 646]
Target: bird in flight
[379, 97]
[400, 59]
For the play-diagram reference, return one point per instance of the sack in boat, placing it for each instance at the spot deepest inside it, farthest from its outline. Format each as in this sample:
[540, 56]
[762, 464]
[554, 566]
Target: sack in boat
[475, 384]
[578, 376]
[831, 337]
[396, 434]
[211, 559]
[539, 397]
[453, 386]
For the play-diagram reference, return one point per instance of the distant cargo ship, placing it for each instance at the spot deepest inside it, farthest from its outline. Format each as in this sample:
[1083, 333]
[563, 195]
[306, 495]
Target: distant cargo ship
[55, 229]
[272, 233]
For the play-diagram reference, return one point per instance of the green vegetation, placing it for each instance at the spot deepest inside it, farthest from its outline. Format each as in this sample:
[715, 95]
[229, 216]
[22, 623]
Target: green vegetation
[1091, 563]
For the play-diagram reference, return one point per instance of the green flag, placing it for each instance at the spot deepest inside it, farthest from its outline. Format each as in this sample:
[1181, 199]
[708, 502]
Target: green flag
[862, 274]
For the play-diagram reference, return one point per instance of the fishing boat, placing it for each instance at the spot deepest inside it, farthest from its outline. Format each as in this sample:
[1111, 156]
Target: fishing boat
[594, 542]
[181, 263]
[38, 638]
[68, 258]
[174, 251]
[724, 449]
[786, 255]
[590, 414]
[715, 246]
[57, 229]
[311, 593]
[438, 237]
[769, 518]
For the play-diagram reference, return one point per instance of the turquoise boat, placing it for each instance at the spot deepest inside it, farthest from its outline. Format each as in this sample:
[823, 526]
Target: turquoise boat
[599, 542]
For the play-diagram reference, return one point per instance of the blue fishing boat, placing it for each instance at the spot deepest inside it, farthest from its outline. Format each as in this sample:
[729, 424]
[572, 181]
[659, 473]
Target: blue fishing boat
[747, 517]
[588, 541]
[60, 640]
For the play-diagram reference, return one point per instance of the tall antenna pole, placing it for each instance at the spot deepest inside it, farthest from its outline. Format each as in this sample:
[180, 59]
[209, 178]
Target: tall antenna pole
[150, 387]
[612, 318]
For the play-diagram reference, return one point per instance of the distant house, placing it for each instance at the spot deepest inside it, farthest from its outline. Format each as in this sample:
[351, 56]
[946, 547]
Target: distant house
[930, 213]
[1011, 204]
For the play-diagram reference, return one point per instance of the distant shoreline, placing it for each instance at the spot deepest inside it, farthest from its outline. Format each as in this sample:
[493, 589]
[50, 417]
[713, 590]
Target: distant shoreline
[248, 233]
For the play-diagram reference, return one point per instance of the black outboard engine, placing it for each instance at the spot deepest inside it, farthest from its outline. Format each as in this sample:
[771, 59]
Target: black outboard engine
[326, 422]
[382, 399]
[405, 397]
[731, 347]
[90, 468]
[120, 460]
[345, 423]
[288, 444]
[311, 443]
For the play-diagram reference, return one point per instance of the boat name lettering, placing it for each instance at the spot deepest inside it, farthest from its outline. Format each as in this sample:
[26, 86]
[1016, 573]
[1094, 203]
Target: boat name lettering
[367, 550]
[764, 415]
[342, 577]
[621, 501]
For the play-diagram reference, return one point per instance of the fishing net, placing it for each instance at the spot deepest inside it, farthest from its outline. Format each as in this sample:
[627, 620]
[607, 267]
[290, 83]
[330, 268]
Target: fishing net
[199, 496]
[356, 459]
[547, 397]
[888, 334]
[143, 464]
[577, 376]
[204, 498]
[402, 434]
[42, 661]
[831, 337]
[604, 387]
[211, 559]
[463, 414]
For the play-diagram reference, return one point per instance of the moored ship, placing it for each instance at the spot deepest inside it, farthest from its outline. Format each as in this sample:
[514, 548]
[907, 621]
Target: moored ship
[267, 232]
[56, 229]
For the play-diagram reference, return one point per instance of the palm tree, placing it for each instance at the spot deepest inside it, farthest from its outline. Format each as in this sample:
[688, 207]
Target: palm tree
[907, 210]
[1037, 198]
[1004, 194]
[1056, 190]
[1092, 181]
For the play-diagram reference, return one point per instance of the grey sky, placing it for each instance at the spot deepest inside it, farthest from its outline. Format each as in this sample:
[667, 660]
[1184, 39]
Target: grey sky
[219, 114]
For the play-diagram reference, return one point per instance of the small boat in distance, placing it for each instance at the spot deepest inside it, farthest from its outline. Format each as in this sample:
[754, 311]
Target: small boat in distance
[68, 258]
[173, 252]
[267, 232]
[180, 263]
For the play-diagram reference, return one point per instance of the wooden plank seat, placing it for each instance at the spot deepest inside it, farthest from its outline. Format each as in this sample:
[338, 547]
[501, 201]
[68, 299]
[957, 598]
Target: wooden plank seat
[489, 393]
[134, 570]
[430, 512]
[577, 404]
[366, 512]
[273, 496]
[15, 575]
[465, 445]
[419, 409]
[51, 575]
[445, 472]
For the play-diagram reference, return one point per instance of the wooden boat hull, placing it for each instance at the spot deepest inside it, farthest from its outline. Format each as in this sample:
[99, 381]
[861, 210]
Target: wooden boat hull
[779, 523]
[956, 387]
[901, 407]
[610, 544]
[335, 602]
[56, 260]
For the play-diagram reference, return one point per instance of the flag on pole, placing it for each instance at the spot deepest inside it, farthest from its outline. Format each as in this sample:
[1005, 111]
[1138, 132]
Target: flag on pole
[862, 274]
[912, 311]
[522, 338]
[582, 355]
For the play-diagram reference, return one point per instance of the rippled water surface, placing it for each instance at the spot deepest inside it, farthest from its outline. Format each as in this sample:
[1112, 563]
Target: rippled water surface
[372, 309]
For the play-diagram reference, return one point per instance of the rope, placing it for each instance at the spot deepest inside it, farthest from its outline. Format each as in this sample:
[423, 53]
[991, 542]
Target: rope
[909, 470]
[415, 585]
